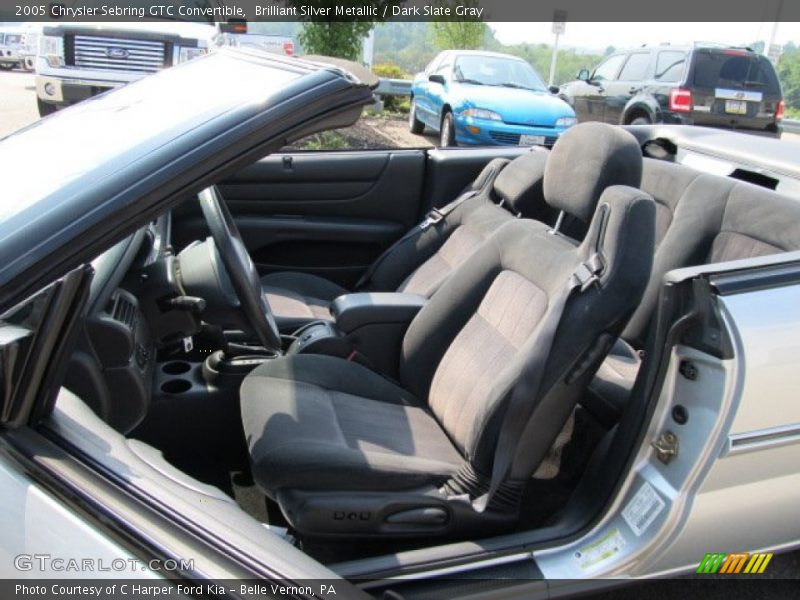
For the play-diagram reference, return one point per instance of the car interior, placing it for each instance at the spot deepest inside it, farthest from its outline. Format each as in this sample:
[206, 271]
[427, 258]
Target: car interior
[378, 351]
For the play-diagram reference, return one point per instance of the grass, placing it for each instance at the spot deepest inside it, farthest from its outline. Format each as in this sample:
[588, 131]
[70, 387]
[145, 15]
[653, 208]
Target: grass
[792, 113]
[326, 140]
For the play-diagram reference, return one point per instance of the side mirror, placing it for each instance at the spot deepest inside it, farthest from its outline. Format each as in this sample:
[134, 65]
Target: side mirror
[436, 79]
[583, 75]
[554, 89]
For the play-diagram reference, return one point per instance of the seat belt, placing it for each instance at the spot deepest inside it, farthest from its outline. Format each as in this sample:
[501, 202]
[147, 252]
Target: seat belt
[521, 404]
[432, 218]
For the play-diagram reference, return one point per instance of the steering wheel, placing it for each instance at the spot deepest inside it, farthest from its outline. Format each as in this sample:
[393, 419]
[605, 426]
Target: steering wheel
[241, 270]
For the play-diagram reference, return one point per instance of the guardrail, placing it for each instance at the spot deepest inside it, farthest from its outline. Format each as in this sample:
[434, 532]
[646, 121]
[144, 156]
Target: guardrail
[393, 87]
[791, 125]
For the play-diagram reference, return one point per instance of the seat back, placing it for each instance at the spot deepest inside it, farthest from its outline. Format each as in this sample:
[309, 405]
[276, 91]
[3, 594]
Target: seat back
[423, 262]
[584, 161]
[471, 345]
[703, 219]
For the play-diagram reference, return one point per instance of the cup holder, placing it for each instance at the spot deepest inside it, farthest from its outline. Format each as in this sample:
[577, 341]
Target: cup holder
[176, 386]
[176, 367]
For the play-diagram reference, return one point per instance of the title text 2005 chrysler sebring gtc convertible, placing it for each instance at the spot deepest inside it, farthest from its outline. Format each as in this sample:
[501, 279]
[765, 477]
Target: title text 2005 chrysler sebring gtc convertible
[540, 365]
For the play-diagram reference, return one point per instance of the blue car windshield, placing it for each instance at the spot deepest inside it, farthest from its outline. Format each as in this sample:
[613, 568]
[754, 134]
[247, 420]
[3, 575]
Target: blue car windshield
[496, 70]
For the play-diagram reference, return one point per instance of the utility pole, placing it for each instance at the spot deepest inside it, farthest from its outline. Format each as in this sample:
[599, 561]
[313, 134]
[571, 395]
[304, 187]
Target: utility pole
[559, 26]
[773, 50]
[368, 48]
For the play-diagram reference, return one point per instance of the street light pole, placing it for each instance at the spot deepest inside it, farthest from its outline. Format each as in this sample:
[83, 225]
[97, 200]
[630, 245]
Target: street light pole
[553, 60]
[559, 26]
[771, 49]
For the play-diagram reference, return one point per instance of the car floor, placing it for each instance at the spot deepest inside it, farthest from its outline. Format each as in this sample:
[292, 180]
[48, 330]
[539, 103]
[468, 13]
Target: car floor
[223, 463]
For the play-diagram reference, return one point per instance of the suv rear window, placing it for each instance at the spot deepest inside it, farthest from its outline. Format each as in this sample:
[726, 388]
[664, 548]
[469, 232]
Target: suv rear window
[736, 70]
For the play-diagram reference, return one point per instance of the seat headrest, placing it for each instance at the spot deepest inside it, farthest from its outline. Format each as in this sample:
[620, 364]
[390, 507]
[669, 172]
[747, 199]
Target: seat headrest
[587, 159]
[520, 182]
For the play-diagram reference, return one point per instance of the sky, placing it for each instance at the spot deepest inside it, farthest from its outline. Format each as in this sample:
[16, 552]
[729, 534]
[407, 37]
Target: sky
[598, 36]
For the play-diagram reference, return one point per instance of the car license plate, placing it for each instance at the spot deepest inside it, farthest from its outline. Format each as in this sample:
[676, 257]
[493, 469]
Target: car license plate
[736, 107]
[531, 140]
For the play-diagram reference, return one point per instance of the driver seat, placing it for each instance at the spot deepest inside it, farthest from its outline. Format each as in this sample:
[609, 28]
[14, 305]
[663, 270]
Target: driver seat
[344, 451]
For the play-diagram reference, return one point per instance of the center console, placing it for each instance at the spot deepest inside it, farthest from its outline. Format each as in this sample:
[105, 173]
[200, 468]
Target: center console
[199, 388]
[367, 328]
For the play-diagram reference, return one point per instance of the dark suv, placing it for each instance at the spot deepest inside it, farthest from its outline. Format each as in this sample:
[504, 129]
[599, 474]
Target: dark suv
[703, 84]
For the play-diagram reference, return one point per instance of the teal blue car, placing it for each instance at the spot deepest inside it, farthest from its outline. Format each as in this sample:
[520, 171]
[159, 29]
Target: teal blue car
[486, 99]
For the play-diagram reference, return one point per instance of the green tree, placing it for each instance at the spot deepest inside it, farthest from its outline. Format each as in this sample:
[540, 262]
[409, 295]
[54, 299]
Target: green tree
[567, 66]
[341, 38]
[467, 34]
[334, 38]
[789, 75]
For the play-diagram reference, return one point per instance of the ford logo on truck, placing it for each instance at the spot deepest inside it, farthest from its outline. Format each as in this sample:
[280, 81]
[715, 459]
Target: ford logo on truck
[117, 53]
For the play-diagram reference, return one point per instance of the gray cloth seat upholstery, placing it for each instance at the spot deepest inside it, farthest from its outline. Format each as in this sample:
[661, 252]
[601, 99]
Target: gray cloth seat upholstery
[700, 219]
[339, 420]
[320, 429]
[506, 190]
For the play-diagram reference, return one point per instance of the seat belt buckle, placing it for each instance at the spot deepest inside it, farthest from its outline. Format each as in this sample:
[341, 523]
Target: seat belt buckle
[432, 218]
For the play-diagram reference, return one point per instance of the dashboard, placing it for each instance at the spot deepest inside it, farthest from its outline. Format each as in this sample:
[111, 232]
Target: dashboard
[112, 366]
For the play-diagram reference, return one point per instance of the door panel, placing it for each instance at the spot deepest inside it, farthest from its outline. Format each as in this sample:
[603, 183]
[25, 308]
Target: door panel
[752, 467]
[326, 213]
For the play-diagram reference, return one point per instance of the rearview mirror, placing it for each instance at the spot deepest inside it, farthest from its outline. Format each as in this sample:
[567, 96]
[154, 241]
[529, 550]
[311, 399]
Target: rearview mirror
[436, 79]
[583, 75]
[554, 89]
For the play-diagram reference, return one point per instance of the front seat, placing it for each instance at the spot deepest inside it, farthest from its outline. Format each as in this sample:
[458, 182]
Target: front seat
[489, 371]
[427, 255]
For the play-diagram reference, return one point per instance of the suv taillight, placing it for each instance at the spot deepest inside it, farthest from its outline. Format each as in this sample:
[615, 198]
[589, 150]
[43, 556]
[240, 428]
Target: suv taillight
[680, 100]
[780, 110]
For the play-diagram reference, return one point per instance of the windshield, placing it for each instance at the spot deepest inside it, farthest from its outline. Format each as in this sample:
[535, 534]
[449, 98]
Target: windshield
[497, 70]
[12, 39]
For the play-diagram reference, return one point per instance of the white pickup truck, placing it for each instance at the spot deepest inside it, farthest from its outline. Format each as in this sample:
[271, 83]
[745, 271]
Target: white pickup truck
[76, 61]
[9, 49]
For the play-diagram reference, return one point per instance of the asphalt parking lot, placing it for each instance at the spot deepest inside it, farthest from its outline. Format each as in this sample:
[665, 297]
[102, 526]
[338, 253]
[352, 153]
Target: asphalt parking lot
[17, 101]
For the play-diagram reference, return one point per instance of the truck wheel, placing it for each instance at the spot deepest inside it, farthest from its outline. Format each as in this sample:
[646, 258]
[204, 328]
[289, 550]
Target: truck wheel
[45, 108]
[414, 124]
[641, 121]
[447, 131]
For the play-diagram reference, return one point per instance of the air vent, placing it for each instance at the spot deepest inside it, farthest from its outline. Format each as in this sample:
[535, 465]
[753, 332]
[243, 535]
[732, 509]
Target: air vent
[124, 311]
